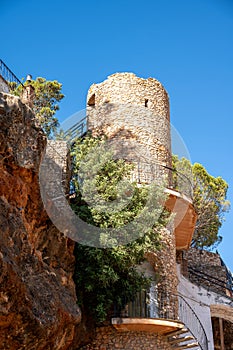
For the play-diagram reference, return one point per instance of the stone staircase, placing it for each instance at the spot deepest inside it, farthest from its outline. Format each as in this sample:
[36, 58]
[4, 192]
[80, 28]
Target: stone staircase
[182, 339]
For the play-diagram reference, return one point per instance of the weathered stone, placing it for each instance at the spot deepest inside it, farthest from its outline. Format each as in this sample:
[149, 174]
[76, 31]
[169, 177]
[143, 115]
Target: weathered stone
[134, 114]
[3, 85]
[38, 308]
[206, 269]
[127, 340]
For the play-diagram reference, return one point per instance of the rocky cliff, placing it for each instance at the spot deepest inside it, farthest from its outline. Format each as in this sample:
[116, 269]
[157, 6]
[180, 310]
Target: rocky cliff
[38, 308]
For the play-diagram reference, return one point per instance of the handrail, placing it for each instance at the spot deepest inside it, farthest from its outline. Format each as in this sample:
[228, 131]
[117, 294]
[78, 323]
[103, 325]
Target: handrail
[149, 304]
[144, 172]
[210, 279]
[174, 179]
[77, 130]
[183, 176]
[8, 75]
[152, 304]
[193, 323]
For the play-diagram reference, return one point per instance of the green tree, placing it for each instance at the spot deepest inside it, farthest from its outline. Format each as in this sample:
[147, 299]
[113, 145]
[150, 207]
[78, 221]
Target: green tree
[47, 95]
[209, 200]
[108, 275]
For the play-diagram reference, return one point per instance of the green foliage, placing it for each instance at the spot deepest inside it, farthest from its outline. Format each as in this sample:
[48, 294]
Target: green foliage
[45, 104]
[209, 200]
[108, 275]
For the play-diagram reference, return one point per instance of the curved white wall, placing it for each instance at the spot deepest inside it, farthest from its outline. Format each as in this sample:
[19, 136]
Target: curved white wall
[200, 300]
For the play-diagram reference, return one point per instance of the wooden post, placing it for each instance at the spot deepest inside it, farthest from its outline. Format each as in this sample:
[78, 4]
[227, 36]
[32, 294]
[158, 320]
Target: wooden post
[222, 346]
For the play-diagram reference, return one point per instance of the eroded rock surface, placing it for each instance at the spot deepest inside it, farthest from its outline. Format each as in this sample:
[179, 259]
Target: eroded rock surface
[38, 308]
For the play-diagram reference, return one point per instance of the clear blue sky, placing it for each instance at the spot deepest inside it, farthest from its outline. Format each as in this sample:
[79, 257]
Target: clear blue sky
[187, 45]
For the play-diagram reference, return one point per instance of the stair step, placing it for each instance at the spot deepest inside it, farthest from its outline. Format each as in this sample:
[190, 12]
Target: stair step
[187, 346]
[181, 339]
[180, 331]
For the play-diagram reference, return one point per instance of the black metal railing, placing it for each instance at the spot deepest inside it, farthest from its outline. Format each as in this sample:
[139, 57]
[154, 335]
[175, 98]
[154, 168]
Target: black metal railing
[152, 304]
[164, 175]
[210, 282]
[8, 75]
[144, 172]
[77, 130]
[148, 304]
[191, 321]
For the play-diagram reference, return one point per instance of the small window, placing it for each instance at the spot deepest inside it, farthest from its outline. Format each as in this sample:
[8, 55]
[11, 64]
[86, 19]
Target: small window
[91, 101]
[146, 102]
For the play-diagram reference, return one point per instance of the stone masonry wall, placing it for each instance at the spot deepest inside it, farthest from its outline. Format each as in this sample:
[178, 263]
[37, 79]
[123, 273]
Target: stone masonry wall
[134, 113]
[3, 85]
[204, 268]
[107, 338]
[197, 257]
[163, 262]
[127, 88]
[59, 152]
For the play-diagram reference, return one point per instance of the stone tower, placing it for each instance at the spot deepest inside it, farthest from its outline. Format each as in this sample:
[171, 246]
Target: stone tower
[134, 113]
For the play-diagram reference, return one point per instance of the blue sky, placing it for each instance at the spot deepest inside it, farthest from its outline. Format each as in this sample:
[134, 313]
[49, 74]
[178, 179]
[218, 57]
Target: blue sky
[187, 45]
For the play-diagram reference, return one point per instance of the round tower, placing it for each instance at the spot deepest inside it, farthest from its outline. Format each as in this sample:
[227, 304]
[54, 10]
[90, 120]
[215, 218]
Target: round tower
[134, 114]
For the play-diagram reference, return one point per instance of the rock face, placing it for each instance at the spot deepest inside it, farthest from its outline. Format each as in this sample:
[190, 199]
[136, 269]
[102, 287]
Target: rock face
[38, 308]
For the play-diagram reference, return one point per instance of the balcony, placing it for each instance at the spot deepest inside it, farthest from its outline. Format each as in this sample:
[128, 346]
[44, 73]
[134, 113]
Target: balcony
[185, 217]
[166, 314]
[179, 189]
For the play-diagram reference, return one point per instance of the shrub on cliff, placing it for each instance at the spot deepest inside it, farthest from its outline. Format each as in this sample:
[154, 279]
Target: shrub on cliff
[47, 95]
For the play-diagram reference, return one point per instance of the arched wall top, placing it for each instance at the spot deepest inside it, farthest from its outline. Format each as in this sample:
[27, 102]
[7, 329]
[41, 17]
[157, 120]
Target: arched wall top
[127, 88]
[222, 311]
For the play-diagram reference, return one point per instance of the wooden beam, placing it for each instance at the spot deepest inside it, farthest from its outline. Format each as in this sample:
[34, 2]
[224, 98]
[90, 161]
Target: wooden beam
[222, 346]
[185, 218]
